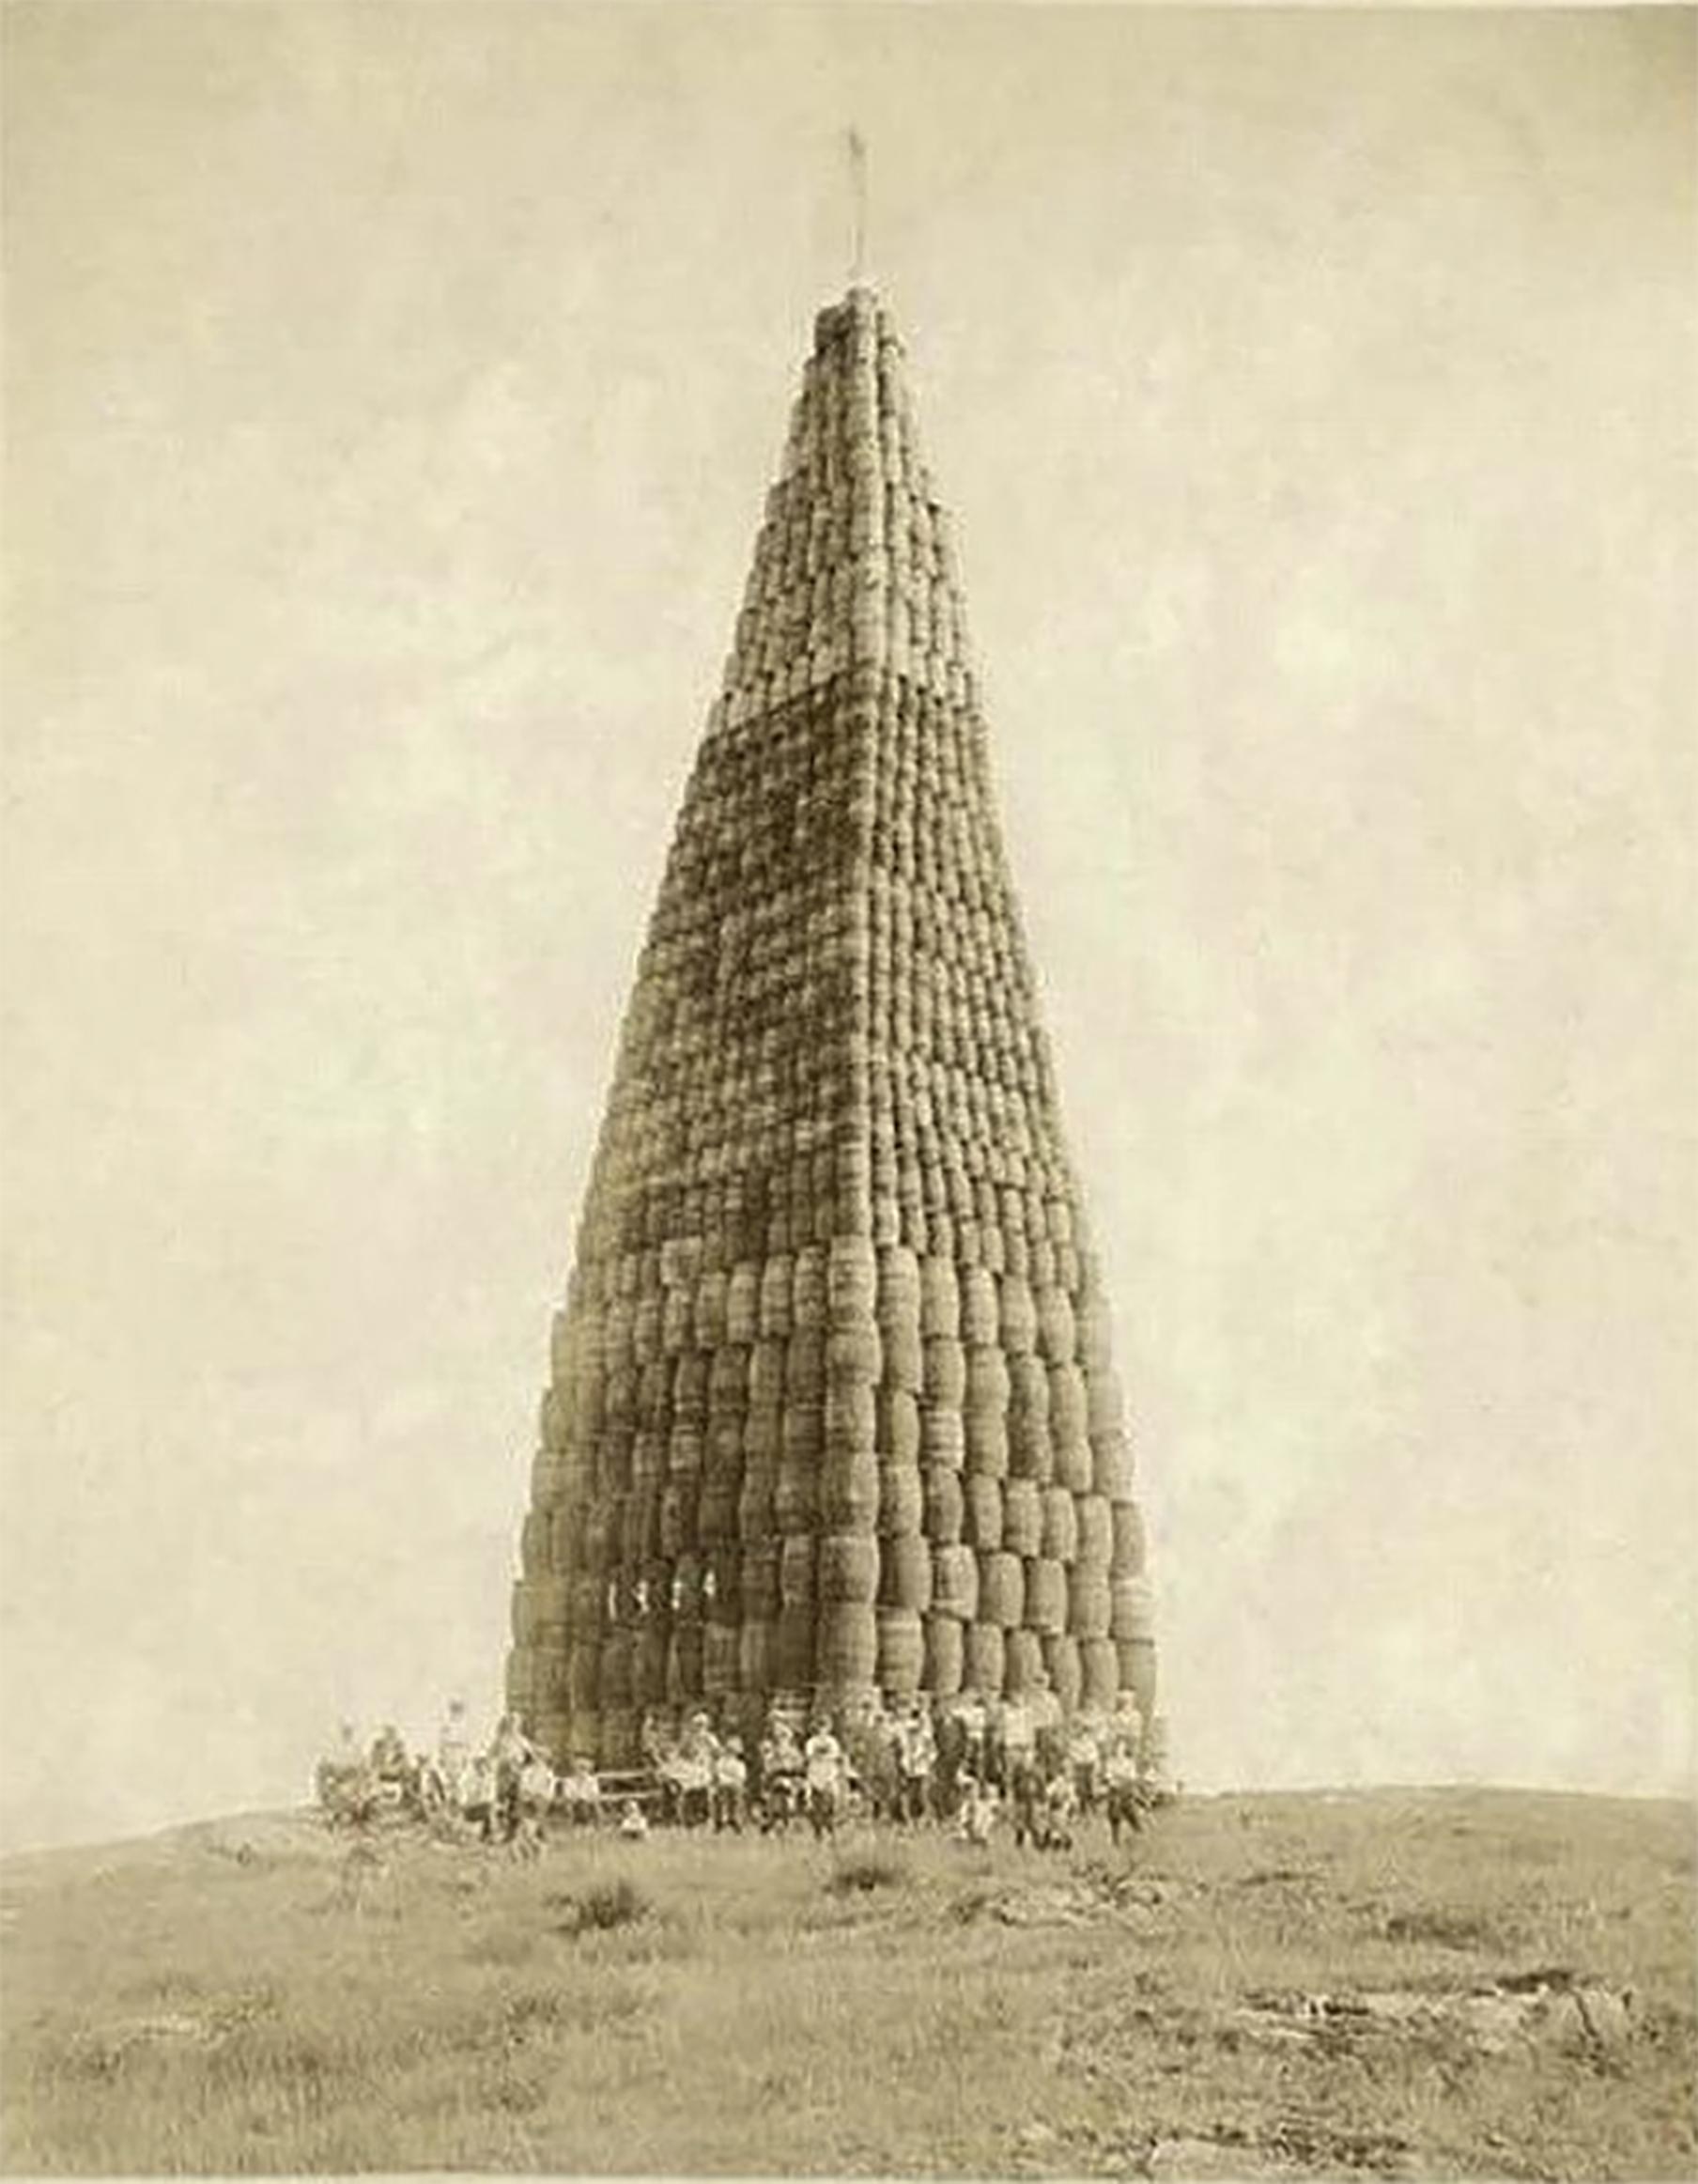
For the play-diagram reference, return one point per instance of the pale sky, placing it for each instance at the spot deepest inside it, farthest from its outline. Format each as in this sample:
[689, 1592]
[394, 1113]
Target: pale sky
[391, 397]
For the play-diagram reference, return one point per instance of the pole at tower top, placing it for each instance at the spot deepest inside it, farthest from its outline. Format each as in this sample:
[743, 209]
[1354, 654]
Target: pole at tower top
[857, 206]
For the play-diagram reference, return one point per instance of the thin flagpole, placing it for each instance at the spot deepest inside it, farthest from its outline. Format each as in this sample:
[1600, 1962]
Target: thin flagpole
[858, 204]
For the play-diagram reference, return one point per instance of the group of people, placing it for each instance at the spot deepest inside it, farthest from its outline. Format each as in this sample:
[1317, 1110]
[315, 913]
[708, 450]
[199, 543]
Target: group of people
[969, 1763]
[499, 1793]
[973, 1764]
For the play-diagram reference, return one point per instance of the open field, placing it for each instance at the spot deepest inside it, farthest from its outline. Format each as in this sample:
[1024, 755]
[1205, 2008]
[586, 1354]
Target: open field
[1291, 1985]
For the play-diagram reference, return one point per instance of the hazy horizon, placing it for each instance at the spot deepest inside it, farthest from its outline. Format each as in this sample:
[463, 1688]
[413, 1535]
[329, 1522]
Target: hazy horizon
[392, 393]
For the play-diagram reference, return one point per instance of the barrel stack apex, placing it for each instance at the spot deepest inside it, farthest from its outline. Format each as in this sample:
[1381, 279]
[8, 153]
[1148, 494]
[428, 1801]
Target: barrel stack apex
[832, 1407]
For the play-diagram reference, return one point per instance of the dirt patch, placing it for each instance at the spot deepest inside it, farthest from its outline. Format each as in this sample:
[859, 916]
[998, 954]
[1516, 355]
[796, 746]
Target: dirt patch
[1085, 1899]
[1552, 2009]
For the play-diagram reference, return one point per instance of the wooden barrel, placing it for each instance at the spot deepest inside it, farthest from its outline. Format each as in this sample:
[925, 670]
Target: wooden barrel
[1105, 1404]
[678, 1518]
[942, 1436]
[775, 1295]
[742, 1303]
[987, 1388]
[720, 1672]
[583, 1676]
[1056, 1330]
[944, 1503]
[979, 1315]
[849, 1421]
[795, 1494]
[808, 1288]
[1001, 1589]
[804, 1366]
[854, 1355]
[956, 1582]
[1128, 1547]
[897, 1425]
[617, 1655]
[903, 1355]
[683, 1664]
[851, 1281]
[798, 1569]
[617, 1743]
[901, 1651]
[846, 1645]
[755, 1655]
[945, 1655]
[1131, 1608]
[944, 1371]
[766, 1373]
[1021, 1516]
[1095, 1340]
[1136, 1658]
[900, 1499]
[898, 1287]
[709, 1327]
[1024, 1672]
[792, 1648]
[939, 1298]
[716, 1511]
[1095, 1524]
[983, 1658]
[848, 1569]
[905, 1572]
[847, 1497]
[982, 1498]
[1089, 1602]
[1017, 1315]
[1045, 1595]
[1061, 1524]
[755, 1499]
[648, 1666]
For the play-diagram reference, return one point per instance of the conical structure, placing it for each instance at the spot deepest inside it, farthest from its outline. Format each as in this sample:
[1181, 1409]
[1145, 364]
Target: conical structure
[832, 1405]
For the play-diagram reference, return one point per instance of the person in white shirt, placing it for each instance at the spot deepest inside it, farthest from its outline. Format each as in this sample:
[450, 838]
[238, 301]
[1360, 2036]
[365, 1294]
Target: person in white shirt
[781, 1793]
[581, 1793]
[693, 1771]
[1020, 1771]
[537, 1785]
[453, 1744]
[822, 1772]
[917, 1751]
[730, 1787]
[976, 1818]
[1123, 1804]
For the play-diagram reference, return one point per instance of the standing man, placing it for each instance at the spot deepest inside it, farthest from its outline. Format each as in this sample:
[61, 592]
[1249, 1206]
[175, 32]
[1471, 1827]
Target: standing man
[507, 1756]
[974, 1719]
[782, 1766]
[1120, 1779]
[1020, 1773]
[454, 1751]
[917, 1753]
[1085, 1762]
[823, 1767]
[730, 1787]
[698, 1755]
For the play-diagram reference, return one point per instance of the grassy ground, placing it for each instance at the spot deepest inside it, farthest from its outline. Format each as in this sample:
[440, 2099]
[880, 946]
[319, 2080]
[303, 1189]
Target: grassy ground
[238, 1998]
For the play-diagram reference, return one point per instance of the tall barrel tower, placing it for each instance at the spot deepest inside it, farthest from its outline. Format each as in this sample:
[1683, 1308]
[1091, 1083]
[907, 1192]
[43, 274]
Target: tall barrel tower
[832, 1407]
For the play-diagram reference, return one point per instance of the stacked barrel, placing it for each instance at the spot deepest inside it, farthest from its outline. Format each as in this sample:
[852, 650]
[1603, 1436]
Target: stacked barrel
[832, 1406]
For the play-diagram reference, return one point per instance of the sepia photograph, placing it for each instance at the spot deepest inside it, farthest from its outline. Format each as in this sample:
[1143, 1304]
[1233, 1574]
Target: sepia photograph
[850, 1140]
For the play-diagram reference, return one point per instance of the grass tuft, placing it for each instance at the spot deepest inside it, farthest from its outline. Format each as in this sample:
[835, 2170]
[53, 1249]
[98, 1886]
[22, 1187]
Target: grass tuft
[862, 1871]
[609, 1904]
